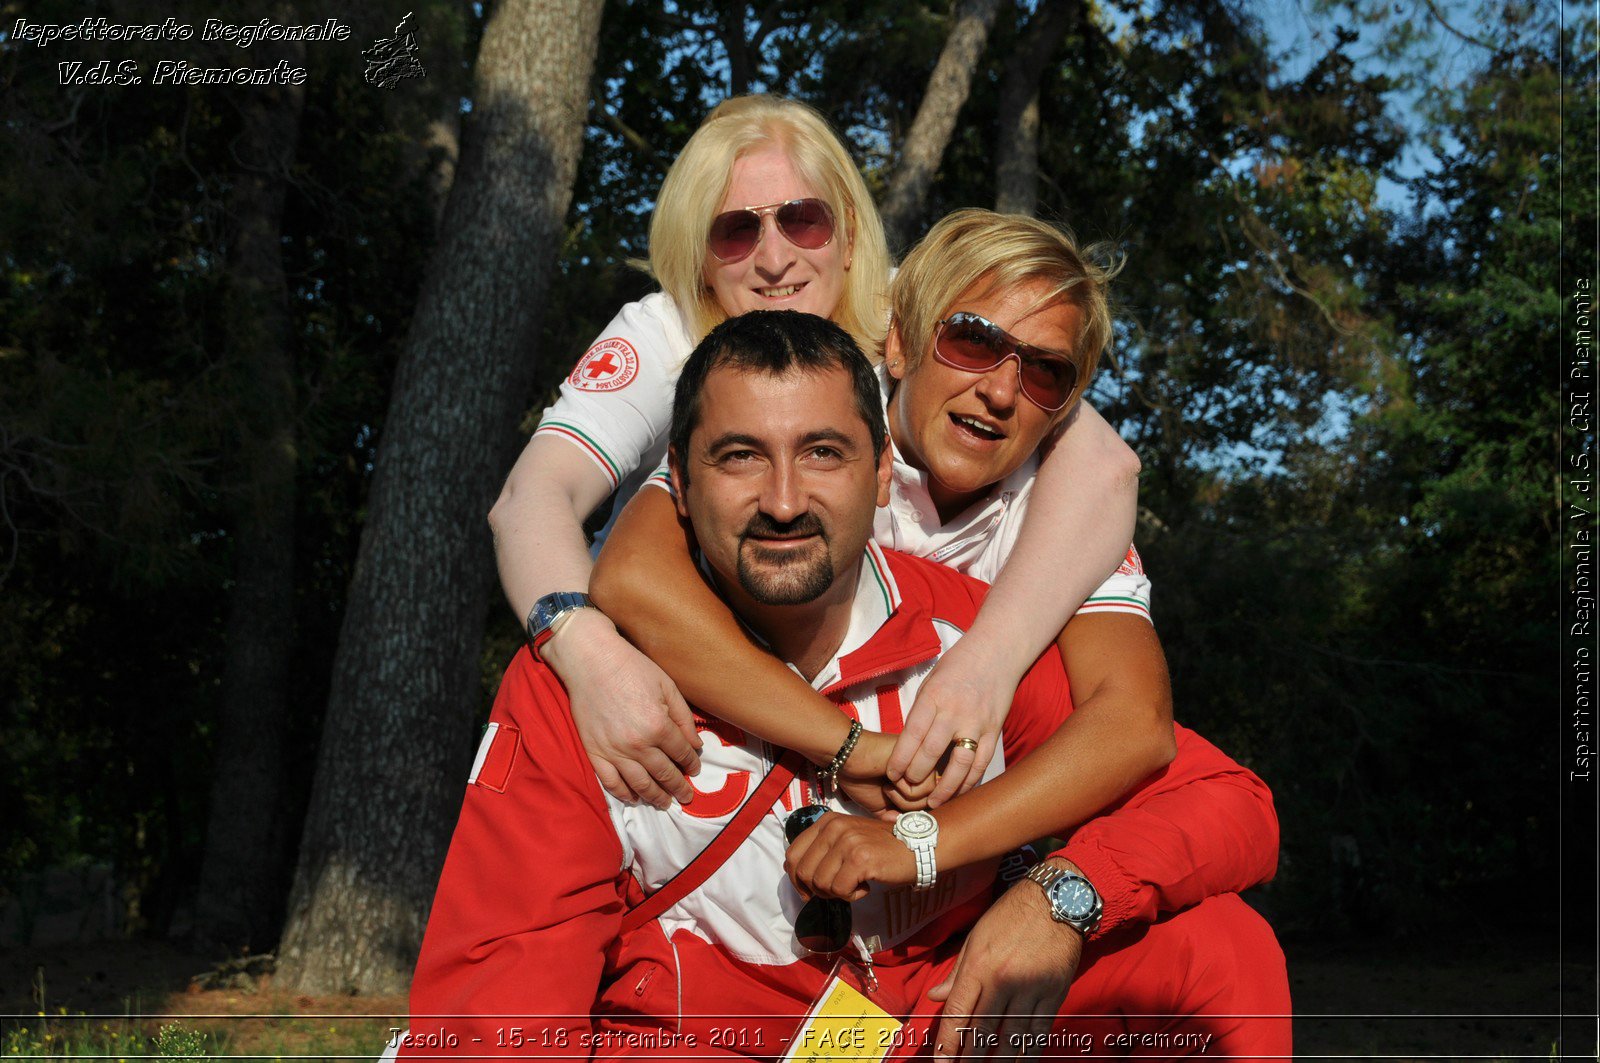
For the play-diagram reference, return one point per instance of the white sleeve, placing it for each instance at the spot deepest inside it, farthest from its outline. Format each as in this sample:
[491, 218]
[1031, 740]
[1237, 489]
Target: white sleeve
[1127, 591]
[662, 478]
[616, 405]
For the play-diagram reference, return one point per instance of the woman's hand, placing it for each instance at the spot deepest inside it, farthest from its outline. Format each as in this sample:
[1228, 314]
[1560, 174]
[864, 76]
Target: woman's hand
[635, 726]
[838, 855]
[966, 696]
[864, 779]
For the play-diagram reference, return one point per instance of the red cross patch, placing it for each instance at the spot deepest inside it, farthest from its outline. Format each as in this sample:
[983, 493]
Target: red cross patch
[608, 365]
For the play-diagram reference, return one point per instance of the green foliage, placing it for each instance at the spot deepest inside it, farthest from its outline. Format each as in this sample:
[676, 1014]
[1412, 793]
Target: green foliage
[118, 444]
[68, 1038]
[177, 1041]
[1397, 575]
[77, 1036]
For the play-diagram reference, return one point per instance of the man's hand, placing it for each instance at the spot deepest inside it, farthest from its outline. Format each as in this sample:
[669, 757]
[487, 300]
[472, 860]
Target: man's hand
[864, 780]
[964, 697]
[634, 724]
[839, 855]
[1010, 979]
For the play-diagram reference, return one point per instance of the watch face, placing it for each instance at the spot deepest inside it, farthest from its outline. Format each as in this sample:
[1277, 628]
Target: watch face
[1073, 897]
[545, 610]
[915, 825]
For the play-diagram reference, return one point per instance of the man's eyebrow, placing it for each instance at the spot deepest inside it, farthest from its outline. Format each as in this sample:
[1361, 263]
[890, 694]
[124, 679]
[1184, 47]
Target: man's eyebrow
[826, 435]
[732, 439]
[811, 438]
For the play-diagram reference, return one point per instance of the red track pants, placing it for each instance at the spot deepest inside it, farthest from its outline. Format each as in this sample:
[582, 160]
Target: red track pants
[1208, 982]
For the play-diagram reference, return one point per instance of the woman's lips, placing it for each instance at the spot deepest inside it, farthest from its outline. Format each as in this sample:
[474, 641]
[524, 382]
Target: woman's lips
[975, 428]
[779, 292]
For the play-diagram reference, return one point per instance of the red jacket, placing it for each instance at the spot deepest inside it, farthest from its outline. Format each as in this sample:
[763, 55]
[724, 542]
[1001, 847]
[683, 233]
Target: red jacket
[522, 948]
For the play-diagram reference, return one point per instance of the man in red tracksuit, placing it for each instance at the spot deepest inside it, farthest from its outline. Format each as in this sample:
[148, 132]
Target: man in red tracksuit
[525, 951]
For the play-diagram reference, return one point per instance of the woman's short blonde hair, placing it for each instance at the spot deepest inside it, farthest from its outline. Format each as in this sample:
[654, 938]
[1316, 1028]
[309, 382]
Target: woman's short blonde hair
[979, 252]
[697, 181]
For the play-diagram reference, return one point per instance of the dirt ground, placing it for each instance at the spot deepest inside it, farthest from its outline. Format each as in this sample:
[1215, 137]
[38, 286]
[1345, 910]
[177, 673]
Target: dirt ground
[1468, 996]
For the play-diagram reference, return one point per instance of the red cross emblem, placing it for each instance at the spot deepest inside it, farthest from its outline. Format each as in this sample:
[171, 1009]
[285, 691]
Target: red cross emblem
[605, 365]
[608, 365]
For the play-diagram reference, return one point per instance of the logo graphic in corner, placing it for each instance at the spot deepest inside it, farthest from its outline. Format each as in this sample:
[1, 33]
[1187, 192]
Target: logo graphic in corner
[607, 366]
[1132, 565]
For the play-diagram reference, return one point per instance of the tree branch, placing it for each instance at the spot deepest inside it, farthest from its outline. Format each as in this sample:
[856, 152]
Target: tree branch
[925, 144]
[1439, 17]
[769, 21]
[631, 135]
[1017, 127]
[1247, 214]
[678, 22]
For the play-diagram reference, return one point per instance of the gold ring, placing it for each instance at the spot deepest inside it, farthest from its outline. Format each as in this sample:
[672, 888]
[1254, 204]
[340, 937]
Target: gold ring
[965, 743]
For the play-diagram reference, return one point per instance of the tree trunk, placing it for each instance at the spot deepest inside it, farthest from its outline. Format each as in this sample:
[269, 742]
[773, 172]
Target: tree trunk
[242, 875]
[396, 742]
[738, 46]
[948, 86]
[429, 108]
[1017, 139]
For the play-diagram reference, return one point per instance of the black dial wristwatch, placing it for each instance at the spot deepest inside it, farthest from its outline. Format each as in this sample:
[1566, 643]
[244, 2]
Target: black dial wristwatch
[1073, 900]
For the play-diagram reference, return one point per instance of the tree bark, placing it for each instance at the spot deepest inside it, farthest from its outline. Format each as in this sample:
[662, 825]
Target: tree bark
[396, 739]
[738, 46]
[948, 86]
[1017, 137]
[242, 875]
[429, 109]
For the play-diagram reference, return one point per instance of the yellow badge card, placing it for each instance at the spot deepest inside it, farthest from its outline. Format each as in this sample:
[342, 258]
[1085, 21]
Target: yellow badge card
[844, 1024]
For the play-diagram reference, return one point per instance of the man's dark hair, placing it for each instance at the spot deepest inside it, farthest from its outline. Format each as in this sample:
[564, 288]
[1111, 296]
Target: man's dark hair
[774, 341]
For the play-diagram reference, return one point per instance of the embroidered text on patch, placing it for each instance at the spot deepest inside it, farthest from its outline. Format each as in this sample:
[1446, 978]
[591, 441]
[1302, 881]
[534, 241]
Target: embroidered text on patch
[607, 366]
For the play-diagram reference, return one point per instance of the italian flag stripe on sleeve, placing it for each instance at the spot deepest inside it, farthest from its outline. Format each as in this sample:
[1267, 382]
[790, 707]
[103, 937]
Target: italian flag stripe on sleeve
[574, 434]
[491, 769]
[1116, 604]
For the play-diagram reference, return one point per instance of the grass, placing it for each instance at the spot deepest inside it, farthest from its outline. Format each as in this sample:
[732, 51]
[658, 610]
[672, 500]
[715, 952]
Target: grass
[162, 1038]
[135, 1002]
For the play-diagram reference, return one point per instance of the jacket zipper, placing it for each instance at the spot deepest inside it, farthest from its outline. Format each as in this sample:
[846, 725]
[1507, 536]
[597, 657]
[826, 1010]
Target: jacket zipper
[856, 680]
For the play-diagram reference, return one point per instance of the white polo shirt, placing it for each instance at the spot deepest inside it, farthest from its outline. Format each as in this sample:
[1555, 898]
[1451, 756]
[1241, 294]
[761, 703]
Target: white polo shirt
[978, 540]
[616, 404]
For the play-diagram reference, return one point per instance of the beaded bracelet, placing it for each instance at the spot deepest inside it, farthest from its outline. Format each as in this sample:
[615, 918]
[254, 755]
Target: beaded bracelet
[828, 778]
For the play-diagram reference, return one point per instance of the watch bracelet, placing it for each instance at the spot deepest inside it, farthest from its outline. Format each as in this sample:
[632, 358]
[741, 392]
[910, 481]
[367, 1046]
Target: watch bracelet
[562, 617]
[1045, 876]
[927, 869]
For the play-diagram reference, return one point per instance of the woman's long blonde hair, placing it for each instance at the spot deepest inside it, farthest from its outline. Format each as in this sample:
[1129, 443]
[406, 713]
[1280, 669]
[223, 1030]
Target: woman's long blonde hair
[698, 180]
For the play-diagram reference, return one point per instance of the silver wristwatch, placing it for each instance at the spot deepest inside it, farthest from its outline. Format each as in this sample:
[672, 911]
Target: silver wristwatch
[1073, 899]
[549, 609]
[920, 832]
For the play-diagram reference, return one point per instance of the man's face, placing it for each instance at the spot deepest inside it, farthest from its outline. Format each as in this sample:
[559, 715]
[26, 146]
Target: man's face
[782, 482]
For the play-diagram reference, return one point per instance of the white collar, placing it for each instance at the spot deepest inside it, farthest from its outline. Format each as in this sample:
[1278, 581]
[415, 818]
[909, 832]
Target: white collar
[876, 599]
[974, 521]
